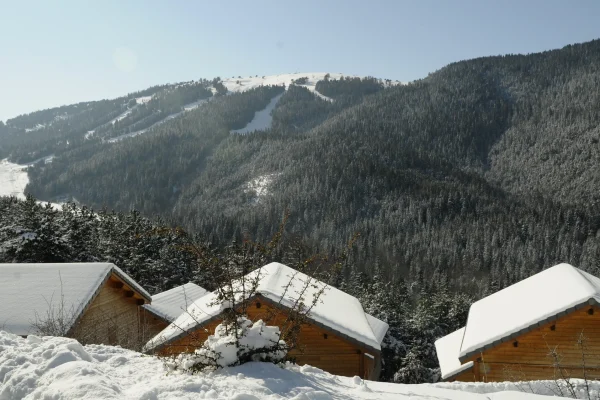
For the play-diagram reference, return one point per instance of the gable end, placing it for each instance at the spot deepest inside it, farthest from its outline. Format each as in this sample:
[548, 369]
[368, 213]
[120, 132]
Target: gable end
[472, 355]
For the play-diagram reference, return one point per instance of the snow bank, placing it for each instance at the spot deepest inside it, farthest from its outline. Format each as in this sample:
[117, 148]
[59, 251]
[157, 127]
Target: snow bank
[61, 369]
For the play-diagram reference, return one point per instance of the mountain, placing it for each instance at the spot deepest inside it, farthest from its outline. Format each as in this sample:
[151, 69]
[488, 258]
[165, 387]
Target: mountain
[484, 172]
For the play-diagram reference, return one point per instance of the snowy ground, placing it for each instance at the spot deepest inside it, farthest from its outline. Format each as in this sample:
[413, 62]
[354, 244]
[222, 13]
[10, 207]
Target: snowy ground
[247, 83]
[62, 369]
[13, 179]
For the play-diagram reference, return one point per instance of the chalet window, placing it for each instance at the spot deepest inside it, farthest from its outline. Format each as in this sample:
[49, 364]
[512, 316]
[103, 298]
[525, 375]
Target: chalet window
[553, 327]
[324, 336]
[516, 343]
[591, 311]
[258, 305]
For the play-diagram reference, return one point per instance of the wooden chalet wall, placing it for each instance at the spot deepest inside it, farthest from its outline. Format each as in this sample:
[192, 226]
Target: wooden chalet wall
[113, 317]
[318, 346]
[465, 376]
[151, 324]
[528, 357]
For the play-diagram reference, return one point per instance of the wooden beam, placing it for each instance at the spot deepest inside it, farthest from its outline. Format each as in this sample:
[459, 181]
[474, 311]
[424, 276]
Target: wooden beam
[129, 293]
[140, 302]
[117, 284]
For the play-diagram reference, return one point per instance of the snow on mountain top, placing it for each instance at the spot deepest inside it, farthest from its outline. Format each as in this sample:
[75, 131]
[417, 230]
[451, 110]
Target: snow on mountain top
[447, 349]
[172, 303]
[242, 84]
[61, 368]
[275, 278]
[526, 303]
[28, 292]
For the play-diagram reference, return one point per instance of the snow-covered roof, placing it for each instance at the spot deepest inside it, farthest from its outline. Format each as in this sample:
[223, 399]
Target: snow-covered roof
[335, 309]
[28, 292]
[378, 327]
[447, 349]
[171, 303]
[537, 299]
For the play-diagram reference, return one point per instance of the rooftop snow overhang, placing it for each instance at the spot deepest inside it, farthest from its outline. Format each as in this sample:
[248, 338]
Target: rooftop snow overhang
[469, 356]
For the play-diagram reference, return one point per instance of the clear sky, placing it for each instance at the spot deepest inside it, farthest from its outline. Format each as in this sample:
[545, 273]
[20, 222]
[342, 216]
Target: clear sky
[62, 52]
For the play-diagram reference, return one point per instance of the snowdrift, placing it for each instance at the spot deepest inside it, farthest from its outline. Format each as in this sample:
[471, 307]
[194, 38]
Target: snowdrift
[62, 369]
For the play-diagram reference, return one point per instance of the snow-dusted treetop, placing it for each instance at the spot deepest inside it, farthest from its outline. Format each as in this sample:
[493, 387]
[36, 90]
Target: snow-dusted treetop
[335, 309]
[537, 299]
[29, 291]
[170, 304]
[447, 349]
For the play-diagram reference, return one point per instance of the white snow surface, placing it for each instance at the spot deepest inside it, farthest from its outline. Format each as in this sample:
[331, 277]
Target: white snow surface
[247, 83]
[171, 303]
[526, 303]
[13, 179]
[52, 368]
[35, 128]
[447, 349]
[29, 292]
[335, 309]
[262, 119]
[143, 99]
[378, 327]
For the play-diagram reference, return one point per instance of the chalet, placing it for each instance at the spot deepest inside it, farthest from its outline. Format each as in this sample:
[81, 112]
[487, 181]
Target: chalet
[338, 337]
[91, 302]
[168, 305]
[540, 328]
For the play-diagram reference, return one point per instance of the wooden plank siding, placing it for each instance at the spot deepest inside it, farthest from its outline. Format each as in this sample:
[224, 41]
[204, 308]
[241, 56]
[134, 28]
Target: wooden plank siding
[113, 317]
[529, 356]
[317, 346]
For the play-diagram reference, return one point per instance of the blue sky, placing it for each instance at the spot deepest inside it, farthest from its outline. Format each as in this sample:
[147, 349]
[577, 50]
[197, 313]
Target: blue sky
[56, 53]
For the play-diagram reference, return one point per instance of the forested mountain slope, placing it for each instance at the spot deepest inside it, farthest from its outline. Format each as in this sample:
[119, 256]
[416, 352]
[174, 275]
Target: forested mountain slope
[485, 170]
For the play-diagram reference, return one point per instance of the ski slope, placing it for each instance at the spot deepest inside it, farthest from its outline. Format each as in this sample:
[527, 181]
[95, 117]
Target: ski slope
[60, 368]
[262, 119]
[187, 107]
[13, 179]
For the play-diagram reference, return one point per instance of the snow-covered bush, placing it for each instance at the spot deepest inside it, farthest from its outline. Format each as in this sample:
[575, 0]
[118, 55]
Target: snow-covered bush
[236, 344]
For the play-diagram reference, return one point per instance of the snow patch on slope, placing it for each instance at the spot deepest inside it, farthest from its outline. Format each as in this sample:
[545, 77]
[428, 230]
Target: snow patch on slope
[187, 107]
[260, 186]
[13, 179]
[61, 368]
[36, 128]
[262, 119]
[143, 99]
